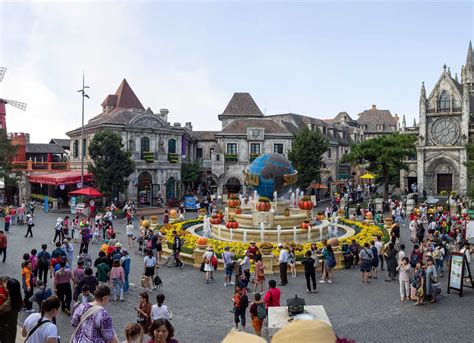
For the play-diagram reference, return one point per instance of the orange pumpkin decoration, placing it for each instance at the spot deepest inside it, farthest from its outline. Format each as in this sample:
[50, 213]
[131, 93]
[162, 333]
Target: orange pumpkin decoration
[333, 242]
[233, 202]
[215, 220]
[232, 224]
[264, 206]
[305, 225]
[305, 203]
[369, 215]
[238, 210]
[201, 241]
[173, 213]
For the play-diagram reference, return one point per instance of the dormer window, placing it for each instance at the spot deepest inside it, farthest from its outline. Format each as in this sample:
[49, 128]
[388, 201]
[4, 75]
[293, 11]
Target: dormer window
[379, 127]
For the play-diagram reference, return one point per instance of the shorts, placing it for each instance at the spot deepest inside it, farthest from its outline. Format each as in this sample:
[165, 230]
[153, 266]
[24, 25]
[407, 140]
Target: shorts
[130, 234]
[229, 268]
[365, 266]
[153, 251]
[149, 271]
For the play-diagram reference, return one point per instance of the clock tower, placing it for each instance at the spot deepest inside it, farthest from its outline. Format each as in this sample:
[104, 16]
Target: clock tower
[443, 131]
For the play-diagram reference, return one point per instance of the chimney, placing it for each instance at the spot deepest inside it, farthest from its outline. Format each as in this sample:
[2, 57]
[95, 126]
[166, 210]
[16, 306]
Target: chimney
[188, 125]
[177, 124]
[164, 114]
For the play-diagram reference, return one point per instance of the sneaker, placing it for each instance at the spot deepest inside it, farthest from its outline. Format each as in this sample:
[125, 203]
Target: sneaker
[308, 291]
[122, 299]
[322, 281]
[181, 267]
[329, 281]
[232, 283]
[225, 284]
[315, 291]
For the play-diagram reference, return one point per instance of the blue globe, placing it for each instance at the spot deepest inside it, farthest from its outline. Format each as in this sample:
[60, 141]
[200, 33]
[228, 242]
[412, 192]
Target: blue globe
[271, 170]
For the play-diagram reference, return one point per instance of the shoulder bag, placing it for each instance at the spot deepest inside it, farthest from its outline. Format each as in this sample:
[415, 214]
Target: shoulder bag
[34, 328]
[90, 312]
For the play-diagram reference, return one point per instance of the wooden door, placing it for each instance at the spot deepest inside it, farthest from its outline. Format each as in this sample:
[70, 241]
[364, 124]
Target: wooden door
[445, 182]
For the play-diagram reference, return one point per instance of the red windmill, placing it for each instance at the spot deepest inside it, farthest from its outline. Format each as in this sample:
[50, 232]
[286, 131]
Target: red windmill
[3, 102]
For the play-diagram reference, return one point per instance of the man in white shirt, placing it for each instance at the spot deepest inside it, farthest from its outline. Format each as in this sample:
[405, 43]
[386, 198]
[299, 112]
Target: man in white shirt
[379, 245]
[246, 266]
[283, 260]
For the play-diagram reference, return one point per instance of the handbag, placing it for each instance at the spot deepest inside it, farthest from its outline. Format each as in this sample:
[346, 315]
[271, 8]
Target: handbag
[201, 269]
[144, 281]
[434, 279]
[157, 281]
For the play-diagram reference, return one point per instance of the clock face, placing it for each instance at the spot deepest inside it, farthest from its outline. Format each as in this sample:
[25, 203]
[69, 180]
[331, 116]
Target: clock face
[445, 131]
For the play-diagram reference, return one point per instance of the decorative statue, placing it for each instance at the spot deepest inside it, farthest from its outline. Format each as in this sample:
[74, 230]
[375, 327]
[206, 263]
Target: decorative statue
[207, 227]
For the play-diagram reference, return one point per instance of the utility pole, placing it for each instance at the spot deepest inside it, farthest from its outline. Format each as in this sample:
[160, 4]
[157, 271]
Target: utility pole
[84, 95]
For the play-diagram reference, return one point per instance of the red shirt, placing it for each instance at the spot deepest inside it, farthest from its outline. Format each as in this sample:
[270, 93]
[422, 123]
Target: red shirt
[272, 297]
[7, 219]
[3, 241]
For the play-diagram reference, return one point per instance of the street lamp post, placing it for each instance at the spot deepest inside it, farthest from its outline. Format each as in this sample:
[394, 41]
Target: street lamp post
[84, 95]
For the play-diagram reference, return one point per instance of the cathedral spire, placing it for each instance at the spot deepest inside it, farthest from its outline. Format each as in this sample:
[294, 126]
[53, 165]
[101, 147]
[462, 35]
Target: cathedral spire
[456, 77]
[470, 56]
[467, 72]
[423, 90]
[414, 122]
[449, 71]
[404, 123]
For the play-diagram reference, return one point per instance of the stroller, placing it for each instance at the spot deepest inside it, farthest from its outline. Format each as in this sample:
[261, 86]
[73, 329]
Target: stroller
[141, 245]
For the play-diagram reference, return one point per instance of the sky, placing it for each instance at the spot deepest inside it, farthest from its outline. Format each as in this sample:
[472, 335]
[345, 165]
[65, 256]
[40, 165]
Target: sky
[314, 58]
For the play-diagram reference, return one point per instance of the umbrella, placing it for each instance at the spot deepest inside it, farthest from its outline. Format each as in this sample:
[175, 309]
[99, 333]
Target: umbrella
[89, 191]
[368, 176]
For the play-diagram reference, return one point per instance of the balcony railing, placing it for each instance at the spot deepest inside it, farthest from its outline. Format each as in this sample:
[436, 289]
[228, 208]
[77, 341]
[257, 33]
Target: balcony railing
[231, 157]
[148, 156]
[444, 110]
[173, 157]
[39, 166]
[253, 157]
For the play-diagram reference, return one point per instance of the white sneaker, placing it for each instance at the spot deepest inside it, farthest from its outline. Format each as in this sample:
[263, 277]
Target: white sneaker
[231, 283]
[329, 281]
[322, 281]
[225, 284]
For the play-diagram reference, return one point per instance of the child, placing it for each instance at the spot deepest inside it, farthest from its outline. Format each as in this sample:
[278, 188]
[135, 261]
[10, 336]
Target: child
[404, 278]
[419, 283]
[257, 321]
[85, 296]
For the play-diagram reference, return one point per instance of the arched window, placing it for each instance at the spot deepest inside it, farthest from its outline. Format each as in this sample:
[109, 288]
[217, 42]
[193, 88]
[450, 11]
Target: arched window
[172, 146]
[144, 146]
[443, 101]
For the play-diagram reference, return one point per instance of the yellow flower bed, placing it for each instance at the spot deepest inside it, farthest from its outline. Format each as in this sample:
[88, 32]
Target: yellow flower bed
[364, 233]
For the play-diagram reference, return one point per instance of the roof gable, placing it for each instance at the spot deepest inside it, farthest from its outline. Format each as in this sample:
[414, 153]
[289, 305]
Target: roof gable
[126, 98]
[242, 104]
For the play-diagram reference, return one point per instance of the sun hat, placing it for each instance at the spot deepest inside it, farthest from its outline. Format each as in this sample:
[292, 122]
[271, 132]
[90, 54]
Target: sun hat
[118, 245]
[58, 220]
[305, 331]
[280, 245]
[235, 336]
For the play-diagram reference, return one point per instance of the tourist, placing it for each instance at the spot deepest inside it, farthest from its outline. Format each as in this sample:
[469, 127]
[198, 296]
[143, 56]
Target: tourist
[149, 269]
[401, 254]
[431, 279]
[366, 255]
[43, 292]
[380, 251]
[315, 255]
[257, 313]
[228, 256]
[160, 310]
[283, 261]
[438, 257]
[85, 296]
[103, 272]
[259, 277]
[57, 230]
[69, 249]
[129, 229]
[346, 253]
[418, 283]
[177, 244]
[44, 260]
[86, 235]
[241, 303]
[166, 217]
[416, 255]
[309, 272]
[117, 279]
[329, 264]
[252, 249]
[29, 224]
[355, 250]
[245, 266]
[144, 311]
[466, 251]
[420, 232]
[133, 333]
[404, 270]
[125, 262]
[27, 284]
[7, 220]
[74, 228]
[209, 261]
[39, 327]
[77, 275]
[272, 296]
[94, 325]
[89, 279]
[375, 260]
[9, 311]
[391, 259]
[62, 284]
[12, 215]
[292, 260]
[3, 245]
[161, 331]
[101, 259]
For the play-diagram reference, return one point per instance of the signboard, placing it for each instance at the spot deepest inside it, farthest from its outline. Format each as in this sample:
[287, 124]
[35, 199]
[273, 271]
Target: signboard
[470, 231]
[458, 270]
[46, 204]
[73, 205]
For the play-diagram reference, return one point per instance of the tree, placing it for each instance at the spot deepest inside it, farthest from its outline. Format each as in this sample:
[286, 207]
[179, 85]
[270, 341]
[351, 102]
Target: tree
[383, 154]
[306, 155]
[7, 152]
[112, 164]
[470, 169]
[190, 173]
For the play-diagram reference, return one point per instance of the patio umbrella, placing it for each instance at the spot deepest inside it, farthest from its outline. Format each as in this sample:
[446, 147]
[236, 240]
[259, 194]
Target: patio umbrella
[89, 191]
[368, 176]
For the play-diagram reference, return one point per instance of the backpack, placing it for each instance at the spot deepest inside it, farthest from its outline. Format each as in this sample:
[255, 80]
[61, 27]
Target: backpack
[244, 302]
[214, 261]
[331, 261]
[261, 312]
[376, 255]
[43, 261]
[437, 254]
[414, 259]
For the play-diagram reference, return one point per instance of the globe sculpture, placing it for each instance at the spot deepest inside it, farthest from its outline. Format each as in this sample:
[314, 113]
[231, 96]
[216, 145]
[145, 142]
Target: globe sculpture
[269, 173]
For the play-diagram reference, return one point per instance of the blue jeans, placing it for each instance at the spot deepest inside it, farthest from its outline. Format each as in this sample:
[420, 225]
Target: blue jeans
[126, 284]
[117, 288]
[439, 266]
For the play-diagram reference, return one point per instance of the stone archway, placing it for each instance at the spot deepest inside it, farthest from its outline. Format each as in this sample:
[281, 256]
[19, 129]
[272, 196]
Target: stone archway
[442, 175]
[232, 185]
[145, 181]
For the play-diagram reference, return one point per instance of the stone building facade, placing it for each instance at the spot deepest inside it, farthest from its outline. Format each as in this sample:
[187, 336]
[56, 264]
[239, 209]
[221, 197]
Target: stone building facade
[158, 147]
[443, 131]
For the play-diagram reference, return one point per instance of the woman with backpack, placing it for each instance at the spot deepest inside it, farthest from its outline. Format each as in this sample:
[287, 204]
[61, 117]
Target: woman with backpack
[210, 262]
[329, 263]
[39, 327]
[257, 313]
[259, 277]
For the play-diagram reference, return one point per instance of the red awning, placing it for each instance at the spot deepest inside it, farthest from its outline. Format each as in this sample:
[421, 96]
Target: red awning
[56, 179]
[89, 191]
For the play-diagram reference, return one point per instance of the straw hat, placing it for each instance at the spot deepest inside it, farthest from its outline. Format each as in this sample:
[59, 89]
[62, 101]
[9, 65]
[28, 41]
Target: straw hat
[235, 336]
[58, 220]
[305, 331]
[118, 245]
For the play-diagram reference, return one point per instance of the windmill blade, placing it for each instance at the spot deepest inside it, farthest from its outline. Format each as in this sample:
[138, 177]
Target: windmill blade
[17, 104]
[3, 70]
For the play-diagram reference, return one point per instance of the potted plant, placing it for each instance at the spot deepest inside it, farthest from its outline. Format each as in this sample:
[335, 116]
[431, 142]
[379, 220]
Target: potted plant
[305, 225]
[266, 248]
[264, 204]
[305, 203]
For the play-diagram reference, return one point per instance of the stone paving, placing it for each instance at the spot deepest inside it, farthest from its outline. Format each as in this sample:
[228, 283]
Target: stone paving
[366, 313]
